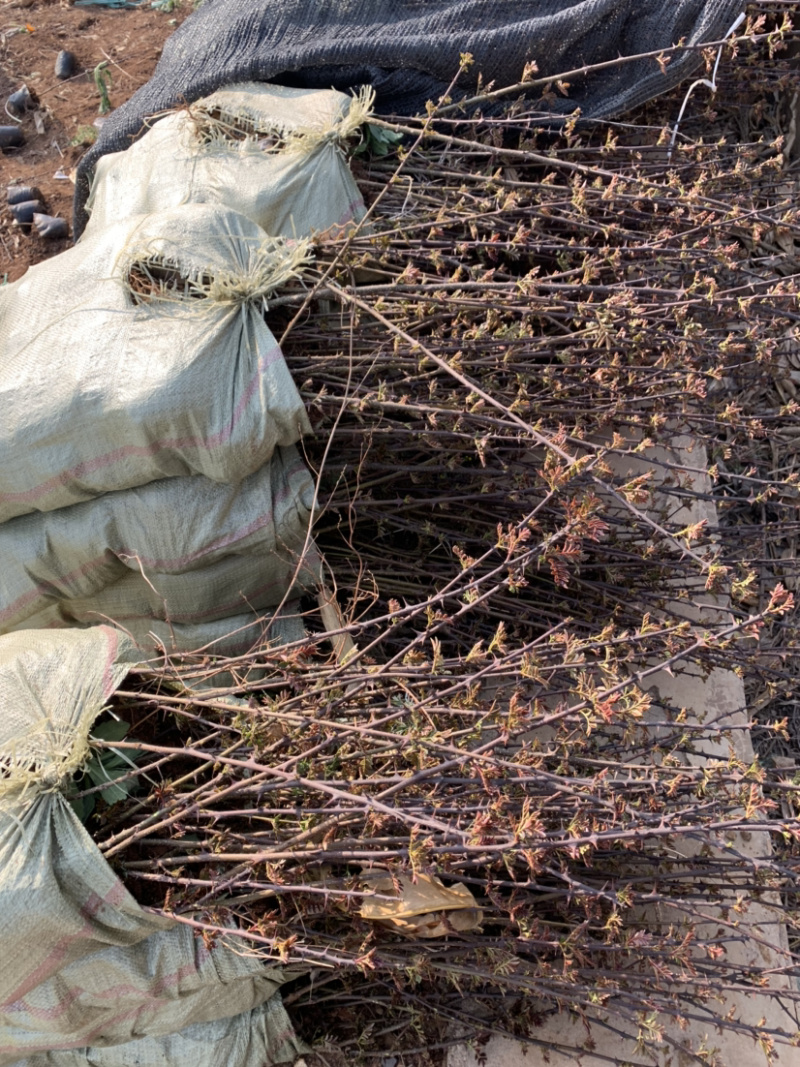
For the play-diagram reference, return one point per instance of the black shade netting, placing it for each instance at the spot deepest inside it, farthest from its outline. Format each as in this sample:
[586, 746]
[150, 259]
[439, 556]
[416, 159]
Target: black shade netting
[409, 50]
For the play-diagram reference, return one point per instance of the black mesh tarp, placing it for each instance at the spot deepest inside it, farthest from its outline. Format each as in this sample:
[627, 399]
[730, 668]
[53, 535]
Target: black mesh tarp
[409, 51]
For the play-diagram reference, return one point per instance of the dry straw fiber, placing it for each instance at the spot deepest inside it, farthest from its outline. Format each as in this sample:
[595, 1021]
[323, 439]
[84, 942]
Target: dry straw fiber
[270, 153]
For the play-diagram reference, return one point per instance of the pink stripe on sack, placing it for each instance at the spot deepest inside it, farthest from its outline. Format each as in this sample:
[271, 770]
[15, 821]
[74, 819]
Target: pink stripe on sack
[156, 564]
[347, 216]
[166, 444]
[55, 959]
[112, 638]
[34, 594]
[144, 999]
[350, 210]
[63, 1046]
[190, 557]
[221, 610]
[117, 894]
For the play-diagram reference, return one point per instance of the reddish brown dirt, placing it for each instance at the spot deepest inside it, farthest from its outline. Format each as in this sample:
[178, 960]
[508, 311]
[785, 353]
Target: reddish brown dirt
[32, 33]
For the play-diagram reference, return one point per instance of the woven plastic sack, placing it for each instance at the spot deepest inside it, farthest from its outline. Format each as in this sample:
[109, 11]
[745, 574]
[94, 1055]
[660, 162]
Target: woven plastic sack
[225, 648]
[258, 1038]
[143, 354]
[273, 154]
[235, 635]
[234, 586]
[83, 964]
[185, 549]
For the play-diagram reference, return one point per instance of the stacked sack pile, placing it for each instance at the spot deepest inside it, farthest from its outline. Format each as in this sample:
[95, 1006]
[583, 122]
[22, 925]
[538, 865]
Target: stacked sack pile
[149, 476]
[149, 469]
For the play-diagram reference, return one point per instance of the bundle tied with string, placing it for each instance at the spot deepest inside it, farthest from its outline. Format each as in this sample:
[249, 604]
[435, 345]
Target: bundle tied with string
[169, 370]
[89, 976]
[274, 154]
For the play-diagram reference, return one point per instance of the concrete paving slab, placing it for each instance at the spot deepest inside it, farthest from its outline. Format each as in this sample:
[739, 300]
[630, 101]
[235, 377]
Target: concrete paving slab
[759, 936]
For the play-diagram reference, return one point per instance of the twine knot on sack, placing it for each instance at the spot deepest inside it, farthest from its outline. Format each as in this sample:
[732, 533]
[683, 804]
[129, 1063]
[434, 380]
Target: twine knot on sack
[154, 273]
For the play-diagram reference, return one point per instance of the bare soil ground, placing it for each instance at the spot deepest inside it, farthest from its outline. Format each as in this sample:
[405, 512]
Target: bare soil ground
[32, 33]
